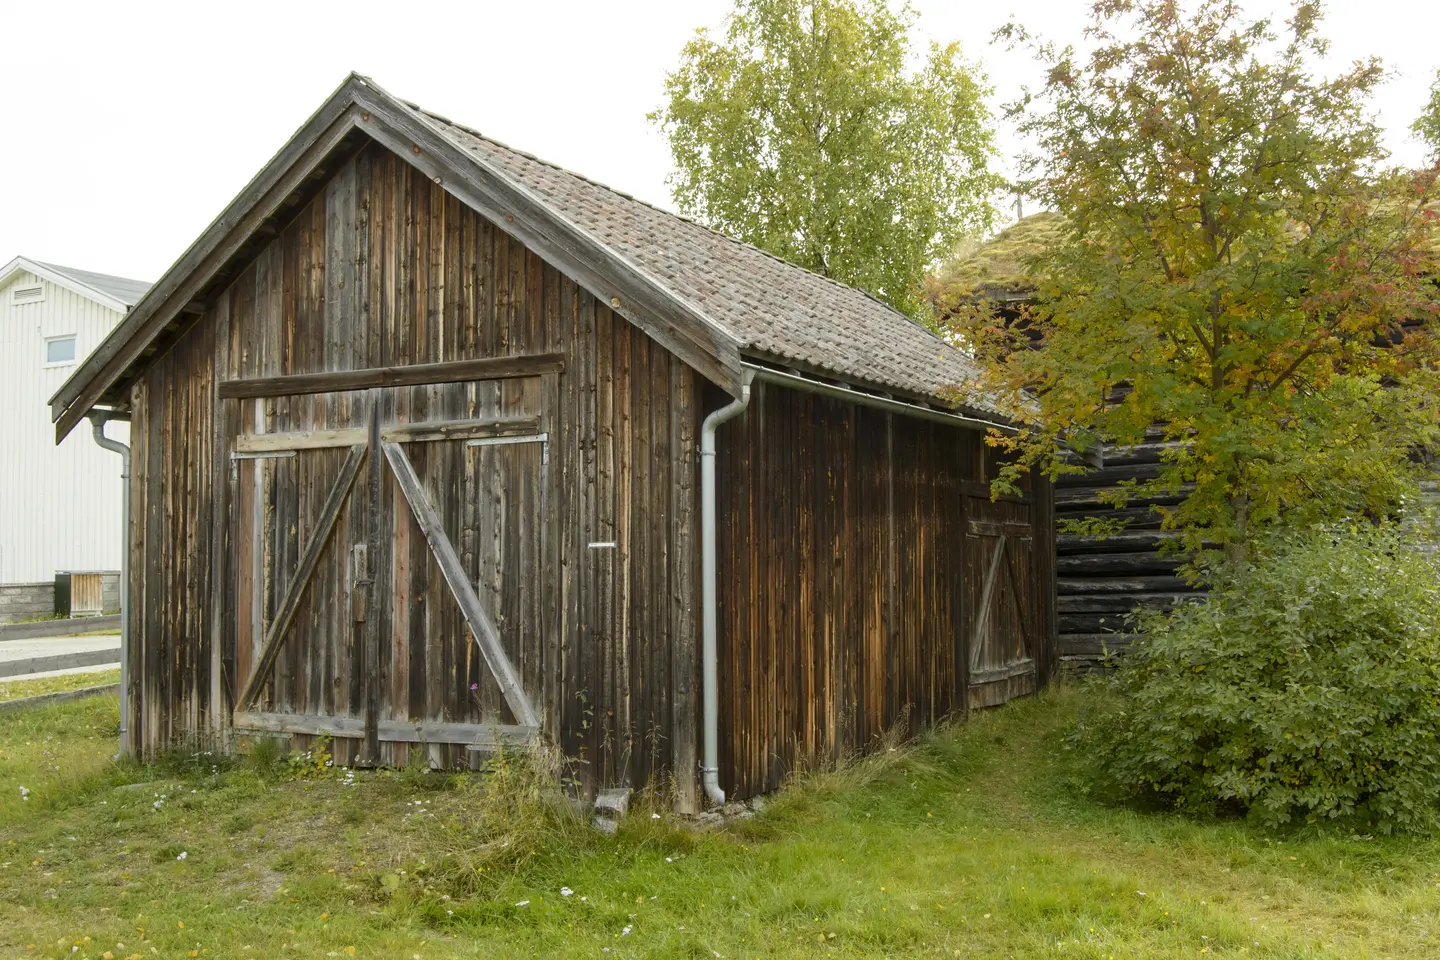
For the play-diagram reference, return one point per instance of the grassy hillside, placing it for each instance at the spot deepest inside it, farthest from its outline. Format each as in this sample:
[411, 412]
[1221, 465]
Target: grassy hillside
[971, 843]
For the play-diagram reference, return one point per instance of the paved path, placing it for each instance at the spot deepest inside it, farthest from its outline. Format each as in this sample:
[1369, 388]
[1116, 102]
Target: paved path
[15, 650]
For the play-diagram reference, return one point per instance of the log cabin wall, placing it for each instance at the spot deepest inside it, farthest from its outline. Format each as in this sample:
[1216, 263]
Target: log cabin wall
[383, 268]
[849, 581]
[1100, 581]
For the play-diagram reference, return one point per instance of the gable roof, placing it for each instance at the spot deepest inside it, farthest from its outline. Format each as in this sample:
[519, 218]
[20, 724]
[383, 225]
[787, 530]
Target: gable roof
[124, 290]
[707, 298]
[117, 293]
[768, 306]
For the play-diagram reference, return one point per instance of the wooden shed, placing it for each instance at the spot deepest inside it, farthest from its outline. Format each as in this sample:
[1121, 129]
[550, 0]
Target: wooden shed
[416, 464]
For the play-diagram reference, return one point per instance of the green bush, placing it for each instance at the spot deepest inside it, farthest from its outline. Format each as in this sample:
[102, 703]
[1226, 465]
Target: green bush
[1304, 691]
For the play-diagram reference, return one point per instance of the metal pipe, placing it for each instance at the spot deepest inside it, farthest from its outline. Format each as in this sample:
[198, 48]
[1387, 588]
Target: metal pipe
[710, 668]
[97, 424]
[796, 381]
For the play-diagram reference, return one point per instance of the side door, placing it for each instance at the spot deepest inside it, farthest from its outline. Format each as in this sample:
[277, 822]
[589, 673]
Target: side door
[1005, 618]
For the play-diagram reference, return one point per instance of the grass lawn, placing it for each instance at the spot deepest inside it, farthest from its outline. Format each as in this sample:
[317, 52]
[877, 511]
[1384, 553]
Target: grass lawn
[970, 843]
[16, 689]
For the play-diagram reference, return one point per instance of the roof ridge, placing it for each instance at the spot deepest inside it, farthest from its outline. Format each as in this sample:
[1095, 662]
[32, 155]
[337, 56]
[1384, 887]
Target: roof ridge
[671, 213]
[93, 273]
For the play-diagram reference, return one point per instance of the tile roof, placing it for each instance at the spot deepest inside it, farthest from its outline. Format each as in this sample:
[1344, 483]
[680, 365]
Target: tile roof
[126, 291]
[770, 308]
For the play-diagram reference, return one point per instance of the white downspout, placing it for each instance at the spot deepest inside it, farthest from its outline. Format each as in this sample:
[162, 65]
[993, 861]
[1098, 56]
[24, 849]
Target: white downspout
[710, 766]
[97, 424]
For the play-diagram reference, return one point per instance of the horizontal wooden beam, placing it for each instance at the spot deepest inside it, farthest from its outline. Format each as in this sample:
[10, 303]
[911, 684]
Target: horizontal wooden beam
[1016, 669]
[458, 371]
[989, 528]
[399, 433]
[395, 731]
[461, 430]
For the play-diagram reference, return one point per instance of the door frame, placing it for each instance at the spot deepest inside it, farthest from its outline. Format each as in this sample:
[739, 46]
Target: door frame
[380, 446]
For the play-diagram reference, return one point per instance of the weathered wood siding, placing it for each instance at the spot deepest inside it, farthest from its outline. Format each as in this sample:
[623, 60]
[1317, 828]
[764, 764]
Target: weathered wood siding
[847, 581]
[172, 468]
[847, 568]
[383, 268]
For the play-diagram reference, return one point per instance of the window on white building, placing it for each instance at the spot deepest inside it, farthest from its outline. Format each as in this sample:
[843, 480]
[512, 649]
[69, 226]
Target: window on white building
[59, 351]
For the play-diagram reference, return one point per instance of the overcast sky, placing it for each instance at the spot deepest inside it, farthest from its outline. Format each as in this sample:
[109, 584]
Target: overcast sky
[132, 125]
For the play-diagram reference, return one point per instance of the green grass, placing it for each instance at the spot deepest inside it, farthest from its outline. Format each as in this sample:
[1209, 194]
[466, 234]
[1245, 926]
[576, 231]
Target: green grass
[971, 843]
[16, 689]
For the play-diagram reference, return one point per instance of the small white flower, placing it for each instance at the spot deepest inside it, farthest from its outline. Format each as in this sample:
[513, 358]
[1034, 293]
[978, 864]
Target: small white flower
[1139, 893]
[626, 931]
[566, 891]
[183, 854]
[654, 816]
[523, 903]
[25, 792]
[668, 860]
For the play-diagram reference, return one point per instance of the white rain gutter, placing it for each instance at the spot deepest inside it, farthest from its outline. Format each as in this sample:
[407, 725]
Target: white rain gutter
[709, 655]
[796, 381]
[98, 419]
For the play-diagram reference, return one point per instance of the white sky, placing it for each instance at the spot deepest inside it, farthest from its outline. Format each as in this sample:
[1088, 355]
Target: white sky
[131, 125]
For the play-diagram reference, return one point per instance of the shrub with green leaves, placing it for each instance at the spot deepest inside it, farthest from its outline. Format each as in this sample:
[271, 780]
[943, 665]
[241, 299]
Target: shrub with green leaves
[1306, 690]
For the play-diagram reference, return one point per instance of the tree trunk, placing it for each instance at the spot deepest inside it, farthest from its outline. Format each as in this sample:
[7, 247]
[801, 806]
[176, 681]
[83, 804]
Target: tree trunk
[1237, 547]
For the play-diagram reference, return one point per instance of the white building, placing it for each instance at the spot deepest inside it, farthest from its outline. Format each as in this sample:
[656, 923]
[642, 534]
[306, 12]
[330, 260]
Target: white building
[59, 506]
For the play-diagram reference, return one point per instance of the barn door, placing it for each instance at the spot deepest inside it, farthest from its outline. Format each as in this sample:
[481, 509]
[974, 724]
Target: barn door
[1004, 623]
[390, 544]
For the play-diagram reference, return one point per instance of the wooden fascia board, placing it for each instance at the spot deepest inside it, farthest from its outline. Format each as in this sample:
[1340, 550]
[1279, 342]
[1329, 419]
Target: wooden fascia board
[646, 302]
[163, 302]
[357, 104]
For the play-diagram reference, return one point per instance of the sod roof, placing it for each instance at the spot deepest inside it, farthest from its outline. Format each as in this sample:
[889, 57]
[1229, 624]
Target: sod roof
[1004, 266]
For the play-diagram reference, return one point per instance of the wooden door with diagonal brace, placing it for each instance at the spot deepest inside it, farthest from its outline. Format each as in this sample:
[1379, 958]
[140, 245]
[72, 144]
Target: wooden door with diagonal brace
[1004, 620]
[388, 552]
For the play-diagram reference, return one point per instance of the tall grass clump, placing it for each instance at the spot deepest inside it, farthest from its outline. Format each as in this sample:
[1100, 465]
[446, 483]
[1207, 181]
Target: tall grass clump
[511, 817]
[1304, 691]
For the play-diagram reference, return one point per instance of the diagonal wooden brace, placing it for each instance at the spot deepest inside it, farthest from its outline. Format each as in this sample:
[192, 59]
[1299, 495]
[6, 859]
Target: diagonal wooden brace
[303, 571]
[982, 616]
[486, 636]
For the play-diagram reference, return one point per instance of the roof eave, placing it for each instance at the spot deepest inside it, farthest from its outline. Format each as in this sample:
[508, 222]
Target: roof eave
[46, 272]
[358, 104]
